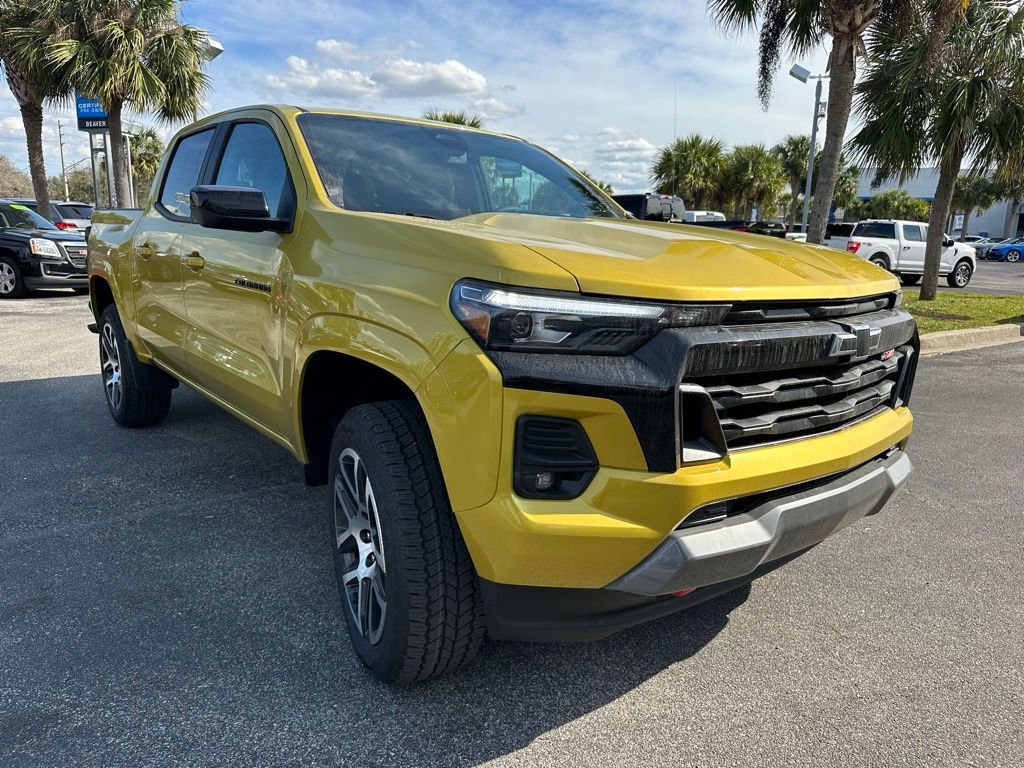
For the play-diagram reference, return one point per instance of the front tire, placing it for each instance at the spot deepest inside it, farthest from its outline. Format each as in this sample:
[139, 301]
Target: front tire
[910, 279]
[960, 276]
[409, 592]
[12, 286]
[129, 402]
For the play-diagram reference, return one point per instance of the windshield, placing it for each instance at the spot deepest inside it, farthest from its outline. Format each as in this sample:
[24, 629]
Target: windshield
[388, 166]
[18, 216]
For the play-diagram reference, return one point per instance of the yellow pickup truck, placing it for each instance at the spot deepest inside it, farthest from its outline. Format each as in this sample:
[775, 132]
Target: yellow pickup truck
[536, 417]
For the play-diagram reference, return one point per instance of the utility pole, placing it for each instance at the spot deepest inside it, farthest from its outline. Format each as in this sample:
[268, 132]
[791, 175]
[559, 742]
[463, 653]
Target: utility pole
[63, 168]
[810, 155]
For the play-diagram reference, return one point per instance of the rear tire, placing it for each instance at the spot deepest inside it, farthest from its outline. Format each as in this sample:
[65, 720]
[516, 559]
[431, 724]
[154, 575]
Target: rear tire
[129, 402]
[12, 286]
[880, 261]
[1013, 256]
[409, 592]
[961, 275]
[910, 279]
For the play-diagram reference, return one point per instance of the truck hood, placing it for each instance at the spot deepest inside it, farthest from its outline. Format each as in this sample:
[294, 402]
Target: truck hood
[688, 263]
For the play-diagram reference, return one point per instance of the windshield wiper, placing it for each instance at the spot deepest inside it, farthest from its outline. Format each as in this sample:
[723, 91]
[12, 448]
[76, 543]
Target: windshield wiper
[407, 213]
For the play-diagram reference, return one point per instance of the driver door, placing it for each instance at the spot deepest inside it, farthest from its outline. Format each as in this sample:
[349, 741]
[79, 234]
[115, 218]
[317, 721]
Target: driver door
[912, 247]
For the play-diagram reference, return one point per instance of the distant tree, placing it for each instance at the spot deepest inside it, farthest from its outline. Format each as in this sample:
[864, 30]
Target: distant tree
[14, 182]
[973, 192]
[690, 167]
[32, 81]
[793, 152]
[797, 28]
[79, 185]
[461, 117]
[895, 204]
[968, 104]
[847, 185]
[752, 176]
[602, 185]
[147, 151]
[134, 54]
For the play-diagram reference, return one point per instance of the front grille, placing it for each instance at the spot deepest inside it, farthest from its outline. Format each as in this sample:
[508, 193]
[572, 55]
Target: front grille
[756, 408]
[76, 252]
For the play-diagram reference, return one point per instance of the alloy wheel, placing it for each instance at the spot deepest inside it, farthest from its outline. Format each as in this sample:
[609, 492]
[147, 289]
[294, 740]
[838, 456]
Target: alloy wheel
[1013, 256]
[8, 280]
[963, 275]
[360, 546]
[110, 366]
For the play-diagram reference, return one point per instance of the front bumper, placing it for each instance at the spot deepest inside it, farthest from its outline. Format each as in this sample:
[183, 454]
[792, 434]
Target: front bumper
[697, 564]
[54, 274]
[737, 546]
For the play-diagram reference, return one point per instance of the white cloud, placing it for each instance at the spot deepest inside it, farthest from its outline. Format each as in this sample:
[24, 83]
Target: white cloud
[403, 77]
[387, 78]
[490, 108]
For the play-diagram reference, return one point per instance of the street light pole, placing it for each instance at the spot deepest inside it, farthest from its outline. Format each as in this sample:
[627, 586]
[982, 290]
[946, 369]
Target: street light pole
[803, 75]
[810, 155]
[63, 168]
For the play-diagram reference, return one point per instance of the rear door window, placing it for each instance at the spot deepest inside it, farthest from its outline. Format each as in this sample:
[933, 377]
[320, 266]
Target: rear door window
[183, 172]
[881, 229]
[913, 233]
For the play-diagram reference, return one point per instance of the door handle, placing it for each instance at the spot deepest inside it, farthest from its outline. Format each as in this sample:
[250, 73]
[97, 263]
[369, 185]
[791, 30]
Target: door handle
[146, 250]
[194, 261]
[906, 247]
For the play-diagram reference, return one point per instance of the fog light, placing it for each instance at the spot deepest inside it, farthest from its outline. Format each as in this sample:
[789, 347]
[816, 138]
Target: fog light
[544, 481]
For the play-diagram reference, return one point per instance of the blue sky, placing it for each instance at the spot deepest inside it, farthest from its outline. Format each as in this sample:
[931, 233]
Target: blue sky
[592, 81]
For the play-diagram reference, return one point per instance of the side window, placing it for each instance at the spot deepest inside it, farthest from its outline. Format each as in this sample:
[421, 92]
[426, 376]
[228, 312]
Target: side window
[183, 172]
[913, 233]
[252, 158]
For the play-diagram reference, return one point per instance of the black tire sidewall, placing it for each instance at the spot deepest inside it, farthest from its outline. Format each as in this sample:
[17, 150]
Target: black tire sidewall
[386, 656]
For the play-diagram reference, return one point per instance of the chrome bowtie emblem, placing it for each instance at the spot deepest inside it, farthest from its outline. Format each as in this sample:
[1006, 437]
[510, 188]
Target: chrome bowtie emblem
[862, 340]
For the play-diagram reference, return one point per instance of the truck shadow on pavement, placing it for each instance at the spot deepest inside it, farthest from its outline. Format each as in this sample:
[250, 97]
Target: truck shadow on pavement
[168, 597]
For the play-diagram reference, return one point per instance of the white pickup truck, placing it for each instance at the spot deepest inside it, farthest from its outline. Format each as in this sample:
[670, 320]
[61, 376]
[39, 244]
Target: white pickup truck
[899, 247]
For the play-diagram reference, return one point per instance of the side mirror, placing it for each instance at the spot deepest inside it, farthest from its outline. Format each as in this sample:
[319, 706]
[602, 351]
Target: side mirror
[947, 242]
[242, 209]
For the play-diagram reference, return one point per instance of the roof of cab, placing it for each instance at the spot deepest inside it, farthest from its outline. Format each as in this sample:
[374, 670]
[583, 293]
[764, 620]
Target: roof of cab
[290, 110]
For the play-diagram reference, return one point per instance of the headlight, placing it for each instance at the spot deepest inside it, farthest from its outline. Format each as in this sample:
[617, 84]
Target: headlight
[41, 247]
[513, 319]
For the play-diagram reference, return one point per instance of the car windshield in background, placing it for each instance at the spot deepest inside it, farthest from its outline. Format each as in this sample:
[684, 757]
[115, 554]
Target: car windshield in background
[875, 229]
[389, 166]
[74, 211]
[15, 216]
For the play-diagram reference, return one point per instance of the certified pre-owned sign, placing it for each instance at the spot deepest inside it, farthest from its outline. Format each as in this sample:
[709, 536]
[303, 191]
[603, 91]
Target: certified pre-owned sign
[91, 115]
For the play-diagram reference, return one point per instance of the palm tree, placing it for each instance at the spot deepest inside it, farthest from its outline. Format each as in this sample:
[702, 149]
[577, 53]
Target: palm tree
[455, 118]
[602, 185]
[973, 192]
[753, 176]
[793, 152]
[847, 185]
[134, 54]
[689, 167]
[895, 204]
[969, 104]
[797, 28]
[32, 83]
[147, 151]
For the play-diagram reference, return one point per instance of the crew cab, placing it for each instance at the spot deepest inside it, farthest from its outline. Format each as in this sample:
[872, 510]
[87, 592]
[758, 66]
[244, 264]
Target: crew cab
[35, 254]
[899, 246]
[535, 416]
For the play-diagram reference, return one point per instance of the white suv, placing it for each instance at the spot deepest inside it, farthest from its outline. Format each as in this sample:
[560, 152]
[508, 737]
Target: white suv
[899, 247]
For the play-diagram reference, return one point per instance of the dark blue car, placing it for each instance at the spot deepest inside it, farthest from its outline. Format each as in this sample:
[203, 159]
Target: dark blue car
[1011, 250]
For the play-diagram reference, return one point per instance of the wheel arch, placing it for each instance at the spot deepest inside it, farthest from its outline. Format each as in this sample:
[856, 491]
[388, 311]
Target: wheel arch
[884, 256]
[101, 295]
[331, 383]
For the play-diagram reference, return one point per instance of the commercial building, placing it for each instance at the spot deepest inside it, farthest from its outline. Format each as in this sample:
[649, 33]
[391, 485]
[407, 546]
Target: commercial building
[1004, 219]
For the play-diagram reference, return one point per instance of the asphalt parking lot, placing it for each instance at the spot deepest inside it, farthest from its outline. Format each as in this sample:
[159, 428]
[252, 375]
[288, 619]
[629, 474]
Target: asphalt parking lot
[991, 277]
[167, 598]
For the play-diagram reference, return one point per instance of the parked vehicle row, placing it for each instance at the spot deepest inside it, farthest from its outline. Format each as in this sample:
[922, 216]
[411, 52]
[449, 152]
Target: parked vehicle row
[899, 246]
[36, 254]
[69, 215]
